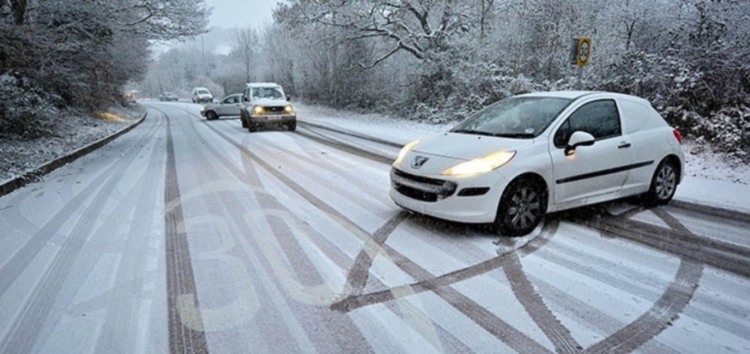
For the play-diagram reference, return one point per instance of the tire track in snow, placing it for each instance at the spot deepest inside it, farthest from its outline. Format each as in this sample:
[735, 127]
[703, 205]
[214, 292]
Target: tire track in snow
[359, 271]
[447, 340]
[341, 330]
[534, 304]
[131, 270]
[322, 139]
[354, 180]
[248, 158]
[185, 334]
[12, 268]
[664, 311]
[431, 283]
[679, 242]
[24, 332]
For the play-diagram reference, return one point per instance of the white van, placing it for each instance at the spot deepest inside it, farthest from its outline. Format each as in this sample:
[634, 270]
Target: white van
[202, 95]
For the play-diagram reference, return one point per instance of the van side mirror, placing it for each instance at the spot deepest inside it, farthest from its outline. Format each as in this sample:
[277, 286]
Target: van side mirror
[245, 98]
[288, 98]
[578, 138]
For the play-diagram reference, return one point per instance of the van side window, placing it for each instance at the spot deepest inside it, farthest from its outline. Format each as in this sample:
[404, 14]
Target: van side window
[635, 116]
[599, 118]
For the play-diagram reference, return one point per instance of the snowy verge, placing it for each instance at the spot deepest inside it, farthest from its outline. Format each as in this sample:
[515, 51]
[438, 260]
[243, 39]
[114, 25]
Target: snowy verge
[379, 126]
[125, 121]
[711, 178]
[71, 132]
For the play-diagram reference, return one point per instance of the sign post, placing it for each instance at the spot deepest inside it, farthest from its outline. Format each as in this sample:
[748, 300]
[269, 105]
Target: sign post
[580, 55]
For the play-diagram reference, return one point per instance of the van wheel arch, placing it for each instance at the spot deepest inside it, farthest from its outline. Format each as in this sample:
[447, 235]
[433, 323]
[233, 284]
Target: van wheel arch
[529, 181]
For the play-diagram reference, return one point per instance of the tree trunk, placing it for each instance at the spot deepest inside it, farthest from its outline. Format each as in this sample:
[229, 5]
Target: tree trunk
[18, 7]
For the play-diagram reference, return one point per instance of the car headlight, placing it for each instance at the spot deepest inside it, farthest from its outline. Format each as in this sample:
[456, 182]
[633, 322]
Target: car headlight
[404, 151]
[481, 165]
[203, 109]
[289, 109]
[258, 110]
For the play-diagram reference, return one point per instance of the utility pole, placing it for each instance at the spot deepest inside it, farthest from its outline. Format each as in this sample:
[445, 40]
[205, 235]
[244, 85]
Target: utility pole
[203, 56]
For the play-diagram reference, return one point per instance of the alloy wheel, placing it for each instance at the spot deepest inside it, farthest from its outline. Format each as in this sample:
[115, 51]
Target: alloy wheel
[666, 181]
[525, 208]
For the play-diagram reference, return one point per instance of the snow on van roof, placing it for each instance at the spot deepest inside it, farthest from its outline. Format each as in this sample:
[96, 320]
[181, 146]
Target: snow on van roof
[560, 94]
[573, 95]
[263, 84]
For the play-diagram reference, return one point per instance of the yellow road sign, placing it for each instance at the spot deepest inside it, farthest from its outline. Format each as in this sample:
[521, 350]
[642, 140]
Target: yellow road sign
[583, 52]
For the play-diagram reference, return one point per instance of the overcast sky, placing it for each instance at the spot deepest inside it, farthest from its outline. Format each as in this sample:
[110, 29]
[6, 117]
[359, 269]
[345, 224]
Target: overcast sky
[241, 13]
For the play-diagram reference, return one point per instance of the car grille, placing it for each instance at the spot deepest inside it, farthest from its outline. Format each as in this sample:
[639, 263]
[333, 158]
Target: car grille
[421, 188]
[275, 110]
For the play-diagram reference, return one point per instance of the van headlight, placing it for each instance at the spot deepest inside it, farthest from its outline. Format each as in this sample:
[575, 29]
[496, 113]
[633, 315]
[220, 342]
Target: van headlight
[258, 110]
[404, 151]
[481, 165]
[289, 109]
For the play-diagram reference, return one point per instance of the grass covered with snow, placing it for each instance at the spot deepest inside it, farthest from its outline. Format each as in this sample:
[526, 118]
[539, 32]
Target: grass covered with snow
[70, 131]
[702, 162]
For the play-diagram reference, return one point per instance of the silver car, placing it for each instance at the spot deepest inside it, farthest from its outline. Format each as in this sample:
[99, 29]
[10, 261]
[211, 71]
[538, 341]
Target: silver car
[265, 104]
[229, 106]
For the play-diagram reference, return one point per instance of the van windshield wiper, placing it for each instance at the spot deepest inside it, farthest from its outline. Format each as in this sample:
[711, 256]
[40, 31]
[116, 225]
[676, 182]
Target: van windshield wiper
[473, 132]
[515, 135]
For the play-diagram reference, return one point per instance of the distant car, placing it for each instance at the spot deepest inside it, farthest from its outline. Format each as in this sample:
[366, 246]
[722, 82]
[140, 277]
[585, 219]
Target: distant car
[265, 104]
[528, 155]
[130, 97]
[202, 95]
[229, 106]
[168, 97]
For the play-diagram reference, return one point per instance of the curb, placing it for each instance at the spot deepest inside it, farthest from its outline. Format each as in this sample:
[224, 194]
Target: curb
[710, 210]
[348, 147]
[33, 175]
[352, 133]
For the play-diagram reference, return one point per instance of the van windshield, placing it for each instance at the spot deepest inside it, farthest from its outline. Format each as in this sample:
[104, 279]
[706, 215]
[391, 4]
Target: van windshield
[273, 93]
[514, 117]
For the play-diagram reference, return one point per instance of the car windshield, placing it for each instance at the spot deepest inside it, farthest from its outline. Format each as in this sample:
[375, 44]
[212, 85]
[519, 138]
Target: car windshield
[203, 92]
[514, 117]
[268, 92]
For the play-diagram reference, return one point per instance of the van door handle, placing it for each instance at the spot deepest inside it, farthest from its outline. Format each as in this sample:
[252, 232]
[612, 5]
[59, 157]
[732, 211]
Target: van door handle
[623, 145]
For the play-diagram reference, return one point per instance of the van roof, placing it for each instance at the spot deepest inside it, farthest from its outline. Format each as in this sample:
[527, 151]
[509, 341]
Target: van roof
[263, 84]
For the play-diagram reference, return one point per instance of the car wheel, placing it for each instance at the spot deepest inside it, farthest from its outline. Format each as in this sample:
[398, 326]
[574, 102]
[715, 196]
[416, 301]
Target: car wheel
[521, 208]
[663, 184]
[291, 126]
[242, 119]
[211, 115]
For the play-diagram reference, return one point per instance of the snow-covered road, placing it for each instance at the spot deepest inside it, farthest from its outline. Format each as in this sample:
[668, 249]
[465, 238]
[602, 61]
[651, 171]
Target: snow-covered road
[186, 235]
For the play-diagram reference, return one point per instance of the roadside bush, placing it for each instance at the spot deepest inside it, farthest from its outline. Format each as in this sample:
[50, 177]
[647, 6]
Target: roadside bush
[666, 81]
[24, 109]
[727, 130]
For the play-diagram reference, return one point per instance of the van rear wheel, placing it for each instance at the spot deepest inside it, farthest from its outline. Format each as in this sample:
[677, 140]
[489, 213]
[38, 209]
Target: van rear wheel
[663, 184]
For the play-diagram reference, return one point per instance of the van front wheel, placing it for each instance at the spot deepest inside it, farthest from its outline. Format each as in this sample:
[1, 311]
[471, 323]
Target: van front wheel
[521, 208]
